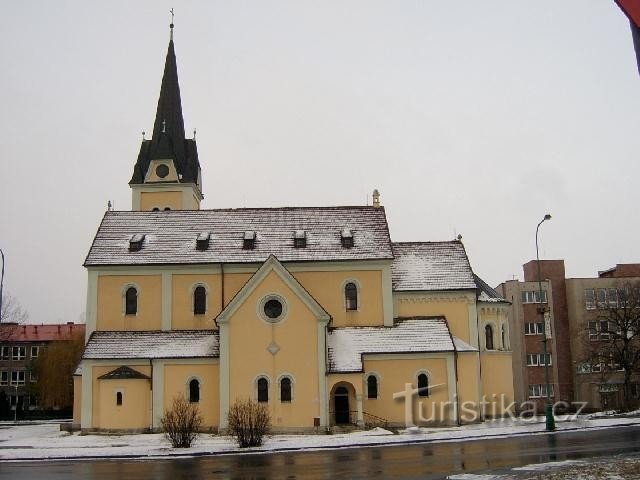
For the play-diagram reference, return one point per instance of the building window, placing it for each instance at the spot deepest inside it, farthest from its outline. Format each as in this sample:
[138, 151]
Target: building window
[488, 337]
[194, 391]
[601, 298]
[6, 353]
[351, 296]
[272, 308]
[131, 301]
[33, 377]
[285, 389]
[17, 378]
[533, 296]
[263, 389]
[589, 299]
[19, 353]
[199, 300]
[4, 377]
[533, 328]
[372, 386]
[539, 390]
[423, 385]
[34, 352]
[537, 359]
[118, 398]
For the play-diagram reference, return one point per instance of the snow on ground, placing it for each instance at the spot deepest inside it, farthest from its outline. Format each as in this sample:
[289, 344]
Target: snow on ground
[601, 468]
[46, 441]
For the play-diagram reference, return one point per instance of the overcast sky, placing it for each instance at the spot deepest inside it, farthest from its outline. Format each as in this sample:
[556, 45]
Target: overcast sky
[472, 118]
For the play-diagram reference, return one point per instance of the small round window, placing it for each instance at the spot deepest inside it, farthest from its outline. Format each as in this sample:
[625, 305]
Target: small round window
[162, 170]
[272, 308]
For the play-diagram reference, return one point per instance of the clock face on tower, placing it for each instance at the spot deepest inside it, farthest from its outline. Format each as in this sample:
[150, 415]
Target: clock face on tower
[162, 170]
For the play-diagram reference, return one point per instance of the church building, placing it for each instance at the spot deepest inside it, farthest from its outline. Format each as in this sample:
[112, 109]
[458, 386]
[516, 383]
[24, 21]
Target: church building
[314, 311]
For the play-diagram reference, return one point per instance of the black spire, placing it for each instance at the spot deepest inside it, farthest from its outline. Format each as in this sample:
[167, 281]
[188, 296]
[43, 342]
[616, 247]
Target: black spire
[168, 138]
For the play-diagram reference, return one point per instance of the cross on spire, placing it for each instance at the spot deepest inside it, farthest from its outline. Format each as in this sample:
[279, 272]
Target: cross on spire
[171, 24]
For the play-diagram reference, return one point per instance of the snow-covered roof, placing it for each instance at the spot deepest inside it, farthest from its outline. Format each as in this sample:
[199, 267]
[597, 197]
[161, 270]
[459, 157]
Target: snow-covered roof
[170, 237]
[486, 293]
[347, 345]
[152, 344]
[431, 266]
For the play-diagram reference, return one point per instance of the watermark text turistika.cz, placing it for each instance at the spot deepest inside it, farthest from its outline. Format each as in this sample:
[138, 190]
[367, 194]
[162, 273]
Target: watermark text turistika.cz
[496, 406]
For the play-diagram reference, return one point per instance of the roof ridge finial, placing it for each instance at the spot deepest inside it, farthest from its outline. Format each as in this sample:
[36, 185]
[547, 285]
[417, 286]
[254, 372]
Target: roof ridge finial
[171, 25]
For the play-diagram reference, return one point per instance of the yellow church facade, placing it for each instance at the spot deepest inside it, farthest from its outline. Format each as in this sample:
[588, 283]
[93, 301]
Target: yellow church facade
[314, 311]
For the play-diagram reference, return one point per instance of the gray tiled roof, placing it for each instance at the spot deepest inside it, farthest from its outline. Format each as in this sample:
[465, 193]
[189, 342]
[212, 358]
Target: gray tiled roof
[152, 344]
[431, 266]
[416, 335]
[170, 237]
[486, 293]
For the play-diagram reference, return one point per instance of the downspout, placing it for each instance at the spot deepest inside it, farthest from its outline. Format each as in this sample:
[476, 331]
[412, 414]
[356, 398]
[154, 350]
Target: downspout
[222, 287]
[455, 369]
[151, 389]
[479, 355]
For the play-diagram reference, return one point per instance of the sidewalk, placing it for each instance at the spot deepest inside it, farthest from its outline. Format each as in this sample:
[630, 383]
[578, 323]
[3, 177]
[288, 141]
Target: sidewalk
[46, 441]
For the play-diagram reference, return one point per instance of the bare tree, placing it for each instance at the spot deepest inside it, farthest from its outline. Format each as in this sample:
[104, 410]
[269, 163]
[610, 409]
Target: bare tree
[11, 316]
[182, 422]
[612, 336]
[248, 422]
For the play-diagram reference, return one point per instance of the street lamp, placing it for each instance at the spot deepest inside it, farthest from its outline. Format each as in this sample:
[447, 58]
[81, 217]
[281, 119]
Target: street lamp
[1, 282]
[548, 408]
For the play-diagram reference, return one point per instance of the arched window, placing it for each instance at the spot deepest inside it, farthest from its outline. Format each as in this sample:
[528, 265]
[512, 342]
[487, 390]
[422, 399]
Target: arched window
[131, 301]
[285, 389]
[351, 296]
[155, 209]
[118, 398]
[423, 385]
[488, 337]
[263, 390]
[166, 209]
[372, 386]
[199, 300]
[194, 391]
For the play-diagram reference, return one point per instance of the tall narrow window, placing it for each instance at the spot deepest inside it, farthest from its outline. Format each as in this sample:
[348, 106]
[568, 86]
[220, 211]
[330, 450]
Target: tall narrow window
[423, 385]
[503, 333]
[194, 391]
[285, 389]
[372, 386]
[199, 300]
[263, 390]
[351, 296]
[131, 301]
[118, 398]
[488, 337]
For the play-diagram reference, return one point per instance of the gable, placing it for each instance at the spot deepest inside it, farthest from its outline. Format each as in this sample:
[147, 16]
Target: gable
[273, 272]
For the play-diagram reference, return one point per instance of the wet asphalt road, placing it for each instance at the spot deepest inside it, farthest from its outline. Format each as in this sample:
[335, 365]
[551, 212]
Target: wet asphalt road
[424, 461]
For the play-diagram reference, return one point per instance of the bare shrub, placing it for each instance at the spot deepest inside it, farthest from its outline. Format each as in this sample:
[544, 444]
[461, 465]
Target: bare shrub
[248, 422]
[182, 422]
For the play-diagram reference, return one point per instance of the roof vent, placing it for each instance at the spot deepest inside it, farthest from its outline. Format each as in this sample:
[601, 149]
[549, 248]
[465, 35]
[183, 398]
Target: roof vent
[135, 242]
[346, 237]
[299, 239]
[249, 240]
[202, 242]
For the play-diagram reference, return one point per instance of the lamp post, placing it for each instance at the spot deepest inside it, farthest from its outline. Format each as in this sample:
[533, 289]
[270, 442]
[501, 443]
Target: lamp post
[1, 282]
[548, 408]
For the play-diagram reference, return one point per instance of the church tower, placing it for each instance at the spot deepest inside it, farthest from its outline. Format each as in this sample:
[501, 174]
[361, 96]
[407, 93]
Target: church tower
[167, 173]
